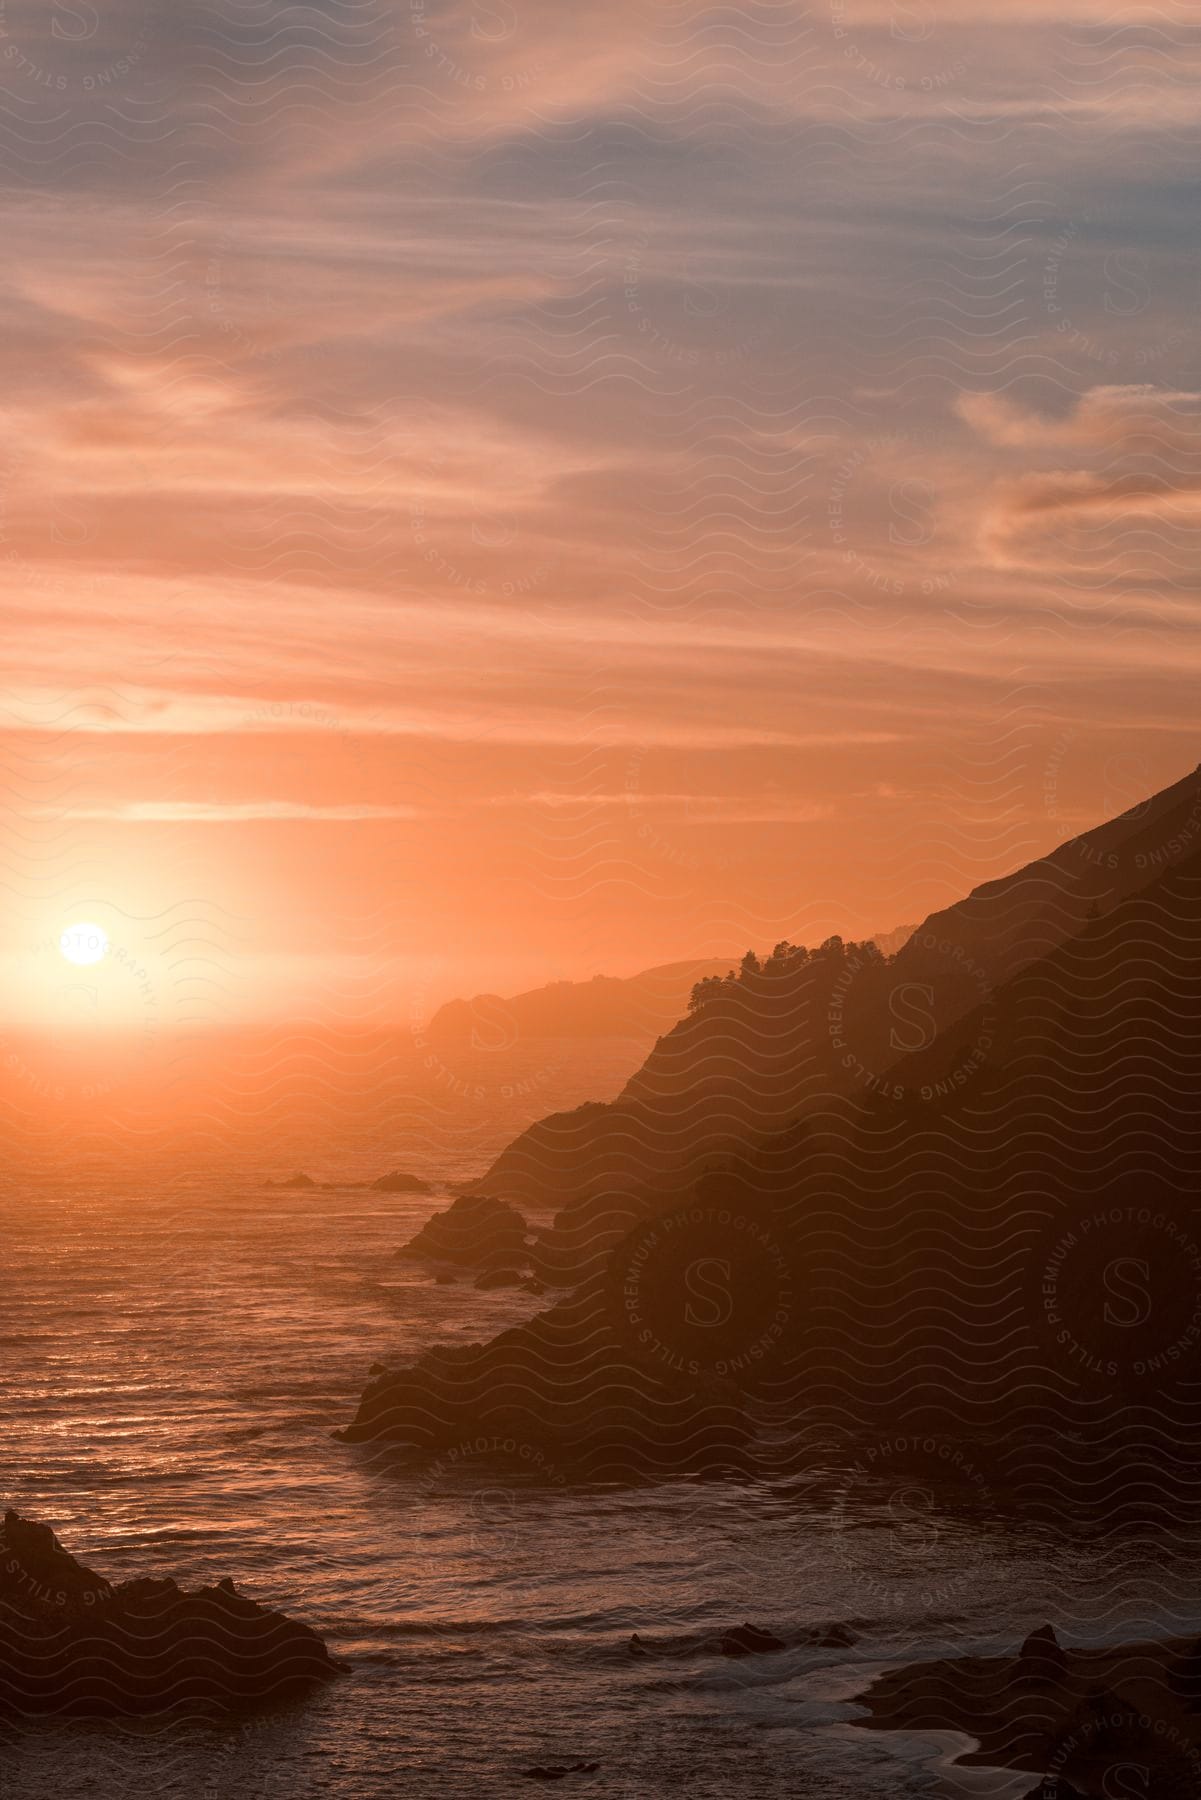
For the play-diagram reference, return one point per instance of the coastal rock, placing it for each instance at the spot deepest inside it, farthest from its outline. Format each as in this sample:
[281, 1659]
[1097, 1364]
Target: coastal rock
[740, 1640]
[475, 1232]
[1186, 1677]
[564, 1384]
[1111, 1709]
[73, 1643]
[398, 1181]
[1042, 1657]
[498, 1278]
[556, 1771]
[750, 1640]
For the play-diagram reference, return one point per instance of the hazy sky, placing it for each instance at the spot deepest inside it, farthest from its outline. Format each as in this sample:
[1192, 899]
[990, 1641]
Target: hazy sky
[501, 491]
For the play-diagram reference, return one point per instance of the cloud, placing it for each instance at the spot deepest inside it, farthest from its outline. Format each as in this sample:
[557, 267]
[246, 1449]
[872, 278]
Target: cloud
[1078, 490]
[421, 412]
[246, 812]
[696, 809]
[1107, 417]
[1137, 454]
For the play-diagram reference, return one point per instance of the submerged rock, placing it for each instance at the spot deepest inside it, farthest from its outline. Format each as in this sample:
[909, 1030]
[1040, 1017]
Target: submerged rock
[299, 1180]
[740, 1640]
[832, 1637]
[73, 1643]
[556, 1771]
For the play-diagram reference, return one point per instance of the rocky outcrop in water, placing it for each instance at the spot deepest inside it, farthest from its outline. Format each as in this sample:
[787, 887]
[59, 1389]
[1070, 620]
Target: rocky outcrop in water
[750, 1640]
[396, 1181]
[476, 1232]
[1110, 1723]
[557, 1771]
[743, 1640]
[73, 1643]
[1042, 1658]
[399, 1181]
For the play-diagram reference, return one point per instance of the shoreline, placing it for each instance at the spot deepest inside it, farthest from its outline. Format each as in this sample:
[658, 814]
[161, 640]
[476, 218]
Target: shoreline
[1066, 1717]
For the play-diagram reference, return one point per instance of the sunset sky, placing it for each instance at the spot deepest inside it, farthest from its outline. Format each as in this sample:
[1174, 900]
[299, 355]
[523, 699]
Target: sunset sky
[496, 492]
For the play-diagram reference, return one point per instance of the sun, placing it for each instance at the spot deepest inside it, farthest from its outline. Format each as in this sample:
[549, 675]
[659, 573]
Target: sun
[84, 943]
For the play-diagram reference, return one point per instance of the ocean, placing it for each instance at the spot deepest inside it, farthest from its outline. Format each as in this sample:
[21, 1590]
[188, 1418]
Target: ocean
[178, 1347]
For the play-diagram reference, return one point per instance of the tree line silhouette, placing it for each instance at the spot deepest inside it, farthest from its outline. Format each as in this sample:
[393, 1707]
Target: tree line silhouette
[786, 962]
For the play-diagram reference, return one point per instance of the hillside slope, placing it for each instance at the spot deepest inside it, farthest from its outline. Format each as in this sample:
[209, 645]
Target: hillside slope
[985, 1274]
[828, 1025]
[607, 1006]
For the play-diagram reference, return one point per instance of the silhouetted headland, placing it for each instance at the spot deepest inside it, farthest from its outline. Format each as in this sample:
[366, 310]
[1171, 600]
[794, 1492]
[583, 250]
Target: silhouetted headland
[879, 1196]
[634, 1006]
